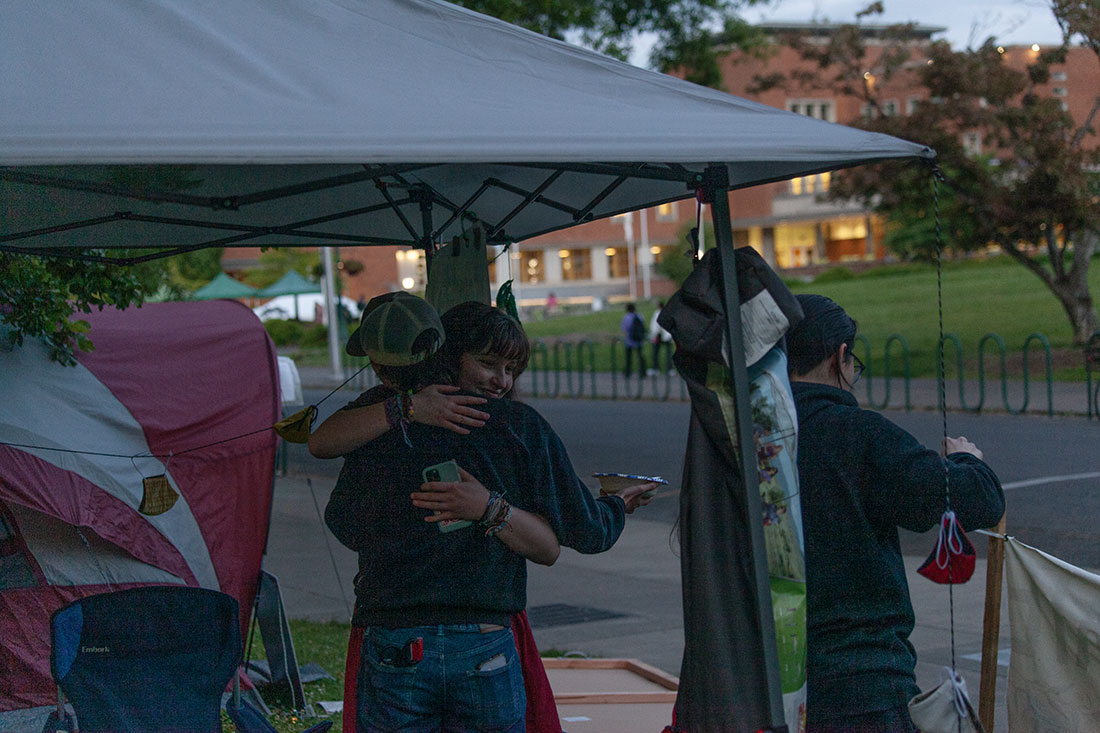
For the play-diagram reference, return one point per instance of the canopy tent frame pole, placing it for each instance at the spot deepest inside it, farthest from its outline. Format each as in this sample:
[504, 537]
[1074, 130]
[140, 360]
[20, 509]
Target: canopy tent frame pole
[716, 184]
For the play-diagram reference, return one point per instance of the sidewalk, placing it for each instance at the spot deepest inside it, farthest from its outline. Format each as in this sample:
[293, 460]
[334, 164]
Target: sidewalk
[1066, 398]
[636, 586]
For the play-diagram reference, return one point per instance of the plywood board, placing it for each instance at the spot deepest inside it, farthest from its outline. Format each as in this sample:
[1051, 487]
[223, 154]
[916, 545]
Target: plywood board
[615, 717]
[609, 681]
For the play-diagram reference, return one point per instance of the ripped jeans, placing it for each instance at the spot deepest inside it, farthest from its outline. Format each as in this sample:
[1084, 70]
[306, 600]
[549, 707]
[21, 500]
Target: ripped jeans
[466, 680]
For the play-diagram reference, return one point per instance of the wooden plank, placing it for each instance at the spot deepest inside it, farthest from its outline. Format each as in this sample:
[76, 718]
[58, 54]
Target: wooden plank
[584, 698]
[991, 625]
[638, 667]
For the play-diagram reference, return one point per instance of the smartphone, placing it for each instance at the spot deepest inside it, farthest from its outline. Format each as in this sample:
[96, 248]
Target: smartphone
[446, 471]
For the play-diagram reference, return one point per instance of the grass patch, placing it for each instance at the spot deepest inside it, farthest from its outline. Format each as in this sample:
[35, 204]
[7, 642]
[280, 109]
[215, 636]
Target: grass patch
[323, 643]
[980, 296]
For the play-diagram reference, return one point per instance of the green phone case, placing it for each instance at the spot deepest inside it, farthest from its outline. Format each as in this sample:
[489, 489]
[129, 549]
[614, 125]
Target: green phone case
[446, 471]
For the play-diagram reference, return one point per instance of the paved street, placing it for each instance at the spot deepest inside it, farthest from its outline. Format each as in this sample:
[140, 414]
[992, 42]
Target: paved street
[636, 585]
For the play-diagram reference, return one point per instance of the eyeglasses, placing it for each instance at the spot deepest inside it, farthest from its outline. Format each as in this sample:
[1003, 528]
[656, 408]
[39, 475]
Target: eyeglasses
[857, 368]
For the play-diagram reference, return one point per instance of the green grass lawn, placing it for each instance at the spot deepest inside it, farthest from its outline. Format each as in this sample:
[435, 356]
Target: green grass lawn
[979, 297]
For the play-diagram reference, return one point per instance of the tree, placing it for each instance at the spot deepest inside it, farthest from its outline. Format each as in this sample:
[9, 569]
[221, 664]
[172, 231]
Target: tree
[687, 31]
[1018, 171]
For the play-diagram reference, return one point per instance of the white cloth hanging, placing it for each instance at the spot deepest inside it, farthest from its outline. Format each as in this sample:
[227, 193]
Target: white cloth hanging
[1054, 670]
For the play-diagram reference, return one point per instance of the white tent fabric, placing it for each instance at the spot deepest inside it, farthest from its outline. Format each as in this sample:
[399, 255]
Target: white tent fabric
[1054, 670]
[324, 121]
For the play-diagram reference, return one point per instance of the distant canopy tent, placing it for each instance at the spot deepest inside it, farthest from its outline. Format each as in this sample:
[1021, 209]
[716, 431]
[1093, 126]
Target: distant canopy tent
[355, 122]
[291, 283]
[224, 286]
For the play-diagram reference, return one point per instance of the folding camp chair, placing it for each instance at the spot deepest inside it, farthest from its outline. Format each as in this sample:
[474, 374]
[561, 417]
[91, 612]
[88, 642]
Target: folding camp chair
[147, 659]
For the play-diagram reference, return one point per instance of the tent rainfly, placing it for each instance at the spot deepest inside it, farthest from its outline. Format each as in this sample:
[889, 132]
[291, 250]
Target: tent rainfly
[356, 122]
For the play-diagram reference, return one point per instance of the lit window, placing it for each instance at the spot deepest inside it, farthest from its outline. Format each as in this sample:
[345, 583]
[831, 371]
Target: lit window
[666, 212]
[532, 271]
[805, 185]
[576, 264]
[617, 263]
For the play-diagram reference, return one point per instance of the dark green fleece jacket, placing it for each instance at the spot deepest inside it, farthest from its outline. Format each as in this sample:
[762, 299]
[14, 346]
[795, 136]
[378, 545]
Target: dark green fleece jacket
[860, 478]
[411, 574]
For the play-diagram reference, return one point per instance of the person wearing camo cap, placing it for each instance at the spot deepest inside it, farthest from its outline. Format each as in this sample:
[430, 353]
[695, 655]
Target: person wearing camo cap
[436, 606]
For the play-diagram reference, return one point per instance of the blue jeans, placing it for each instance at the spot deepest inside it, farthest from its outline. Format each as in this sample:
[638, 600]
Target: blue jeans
[466, 681]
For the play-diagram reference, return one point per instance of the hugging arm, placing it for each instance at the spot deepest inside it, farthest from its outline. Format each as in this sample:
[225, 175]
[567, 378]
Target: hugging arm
[358, 424]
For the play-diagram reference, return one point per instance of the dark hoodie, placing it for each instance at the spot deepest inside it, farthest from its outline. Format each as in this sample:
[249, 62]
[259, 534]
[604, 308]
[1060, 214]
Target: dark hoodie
[861, 477]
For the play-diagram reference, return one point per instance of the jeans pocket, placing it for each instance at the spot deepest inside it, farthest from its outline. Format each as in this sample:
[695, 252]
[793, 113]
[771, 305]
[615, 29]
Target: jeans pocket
[491, 695]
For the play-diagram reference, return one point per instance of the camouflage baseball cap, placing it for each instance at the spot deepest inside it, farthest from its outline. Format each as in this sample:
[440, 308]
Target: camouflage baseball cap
[397, 329]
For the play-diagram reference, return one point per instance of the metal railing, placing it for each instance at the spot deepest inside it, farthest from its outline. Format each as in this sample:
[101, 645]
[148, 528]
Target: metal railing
[600, 363]
[581, 361]
[1092, 366]
[868, 374]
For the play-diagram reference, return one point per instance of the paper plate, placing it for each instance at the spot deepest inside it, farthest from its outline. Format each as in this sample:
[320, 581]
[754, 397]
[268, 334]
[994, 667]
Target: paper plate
[613, 483]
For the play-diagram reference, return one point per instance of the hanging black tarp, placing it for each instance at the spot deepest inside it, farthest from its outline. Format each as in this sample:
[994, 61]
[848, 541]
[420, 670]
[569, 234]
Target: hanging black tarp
[726, 655]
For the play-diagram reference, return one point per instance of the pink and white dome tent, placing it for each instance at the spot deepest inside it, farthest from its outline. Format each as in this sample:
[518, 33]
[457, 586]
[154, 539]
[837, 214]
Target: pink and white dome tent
[184, 390]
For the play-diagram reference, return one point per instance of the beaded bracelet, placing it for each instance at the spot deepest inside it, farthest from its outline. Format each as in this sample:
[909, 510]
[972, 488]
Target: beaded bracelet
[502, 523]
[491, 508]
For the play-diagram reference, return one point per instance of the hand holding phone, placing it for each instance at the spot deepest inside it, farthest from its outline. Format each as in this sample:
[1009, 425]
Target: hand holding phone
[445, 471]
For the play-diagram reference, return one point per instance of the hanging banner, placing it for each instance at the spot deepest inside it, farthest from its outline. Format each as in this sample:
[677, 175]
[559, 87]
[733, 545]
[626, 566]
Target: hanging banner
[1054, 669]
[775, 433]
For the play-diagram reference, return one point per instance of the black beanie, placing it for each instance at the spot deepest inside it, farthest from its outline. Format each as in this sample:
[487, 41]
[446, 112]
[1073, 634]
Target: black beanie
[823, 328]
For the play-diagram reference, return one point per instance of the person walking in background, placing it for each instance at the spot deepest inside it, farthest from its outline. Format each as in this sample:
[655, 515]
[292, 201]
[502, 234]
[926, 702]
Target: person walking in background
[661, 339]
[634, 331]
[861, 477]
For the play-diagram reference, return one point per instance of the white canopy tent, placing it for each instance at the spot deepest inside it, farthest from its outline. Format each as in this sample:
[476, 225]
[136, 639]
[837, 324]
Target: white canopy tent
[178, 125]
[338, 122]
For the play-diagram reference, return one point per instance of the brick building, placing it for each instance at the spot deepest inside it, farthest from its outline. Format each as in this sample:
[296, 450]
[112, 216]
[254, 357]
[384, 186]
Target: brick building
[789, 222]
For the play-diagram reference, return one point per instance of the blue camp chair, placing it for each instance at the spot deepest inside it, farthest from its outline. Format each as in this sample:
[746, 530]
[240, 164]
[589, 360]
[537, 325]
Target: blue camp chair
[153, 658]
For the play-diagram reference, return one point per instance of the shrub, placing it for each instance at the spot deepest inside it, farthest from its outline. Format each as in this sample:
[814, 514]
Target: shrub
[284, 333]
[314, 336]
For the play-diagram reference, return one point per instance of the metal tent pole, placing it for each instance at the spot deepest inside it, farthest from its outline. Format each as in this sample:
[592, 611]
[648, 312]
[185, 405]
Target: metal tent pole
[717, 180]
[329, 291]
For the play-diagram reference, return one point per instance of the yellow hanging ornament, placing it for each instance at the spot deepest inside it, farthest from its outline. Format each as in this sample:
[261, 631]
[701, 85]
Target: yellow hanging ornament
[297, 427]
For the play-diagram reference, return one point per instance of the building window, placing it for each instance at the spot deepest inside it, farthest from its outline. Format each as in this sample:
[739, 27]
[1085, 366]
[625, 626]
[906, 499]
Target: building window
[810, 185]
[666, 212]
[972, 143]
[532, 270]
[1057, 76]
[617, 263]
[412, 270]
[660, 252]
[821, 109]
[890, 108]
[911, 105]
[1060, 92]
[576, 264]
